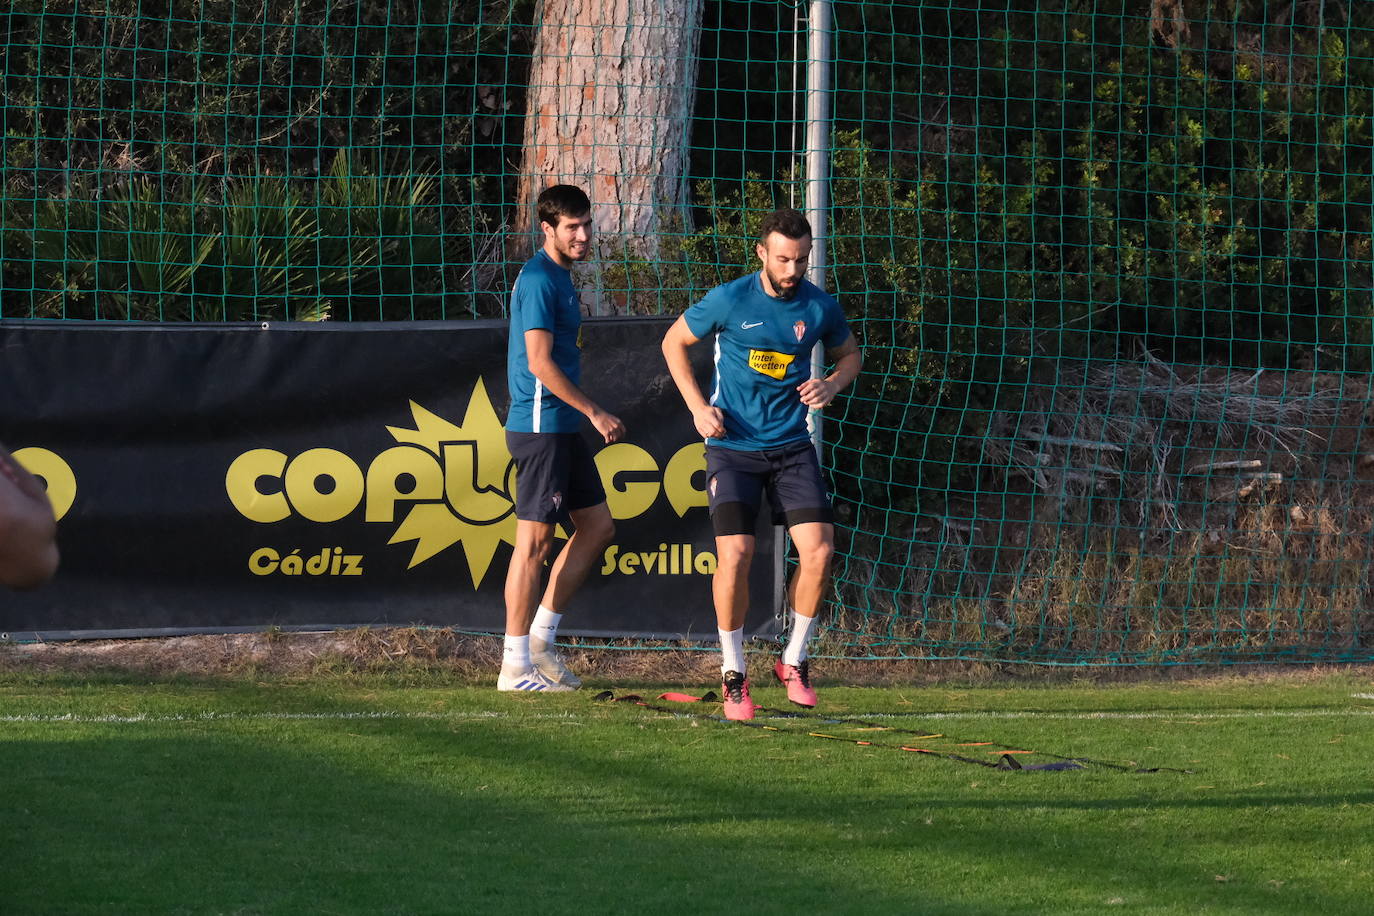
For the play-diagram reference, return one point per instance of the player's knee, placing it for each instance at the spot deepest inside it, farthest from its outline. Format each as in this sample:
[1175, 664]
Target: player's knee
[733, 555]
[816, 557]
[594, 528]
[534, 549]
[601, 532]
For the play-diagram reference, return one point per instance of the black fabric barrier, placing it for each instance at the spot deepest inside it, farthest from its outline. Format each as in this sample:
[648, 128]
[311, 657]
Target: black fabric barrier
[219, 477]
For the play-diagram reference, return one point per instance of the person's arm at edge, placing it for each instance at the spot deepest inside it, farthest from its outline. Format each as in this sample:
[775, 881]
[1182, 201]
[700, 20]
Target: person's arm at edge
[709, 421]
[539, 350]
[28, 531]
[848, 360]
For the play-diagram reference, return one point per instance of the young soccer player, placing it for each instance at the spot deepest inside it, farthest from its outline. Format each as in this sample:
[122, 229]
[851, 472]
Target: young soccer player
[555, 476]
[766, 324]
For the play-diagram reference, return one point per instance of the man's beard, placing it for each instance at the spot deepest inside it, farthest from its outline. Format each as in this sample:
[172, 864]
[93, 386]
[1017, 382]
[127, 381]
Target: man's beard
[567, 252]
[780, 291]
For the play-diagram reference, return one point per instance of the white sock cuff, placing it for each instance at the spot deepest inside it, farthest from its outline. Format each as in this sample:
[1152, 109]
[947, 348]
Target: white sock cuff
[732, 650]
[545, 625]
[802, 628]
[515, 653]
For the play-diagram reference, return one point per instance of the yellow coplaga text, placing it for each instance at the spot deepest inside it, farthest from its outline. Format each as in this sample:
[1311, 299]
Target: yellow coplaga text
[325, 485]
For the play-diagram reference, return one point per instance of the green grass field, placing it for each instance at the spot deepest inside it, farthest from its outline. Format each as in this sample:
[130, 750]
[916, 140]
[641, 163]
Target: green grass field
[363, 795]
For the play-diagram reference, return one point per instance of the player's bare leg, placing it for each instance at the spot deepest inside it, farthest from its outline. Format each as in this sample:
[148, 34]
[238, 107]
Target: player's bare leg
[593, 531]
[815, 542]
[730, 592]
[533, 541]
[730, 584]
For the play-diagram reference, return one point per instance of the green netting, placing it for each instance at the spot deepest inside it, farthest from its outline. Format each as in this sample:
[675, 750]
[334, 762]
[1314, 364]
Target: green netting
[1110, 262]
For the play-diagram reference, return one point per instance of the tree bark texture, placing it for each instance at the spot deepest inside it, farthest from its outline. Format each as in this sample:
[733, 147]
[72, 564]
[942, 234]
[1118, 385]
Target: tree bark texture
[609, 109]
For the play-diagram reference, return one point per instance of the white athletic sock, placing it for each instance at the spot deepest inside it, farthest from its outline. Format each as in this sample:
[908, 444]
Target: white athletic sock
[732, 650]
[802, 628]
[516, 653]
[545, 627]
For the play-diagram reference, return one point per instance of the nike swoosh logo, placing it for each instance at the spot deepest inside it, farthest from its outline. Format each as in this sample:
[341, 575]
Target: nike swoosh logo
[744, 325]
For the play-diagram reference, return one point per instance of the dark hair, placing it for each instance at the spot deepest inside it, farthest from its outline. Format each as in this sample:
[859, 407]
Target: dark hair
[787, 222]
[562, 200]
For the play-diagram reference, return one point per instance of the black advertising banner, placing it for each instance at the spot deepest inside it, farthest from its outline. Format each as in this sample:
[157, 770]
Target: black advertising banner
[217, 477]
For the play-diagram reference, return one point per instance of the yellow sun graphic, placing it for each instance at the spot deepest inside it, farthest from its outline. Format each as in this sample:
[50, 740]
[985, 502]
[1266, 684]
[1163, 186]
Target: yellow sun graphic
[479, 485]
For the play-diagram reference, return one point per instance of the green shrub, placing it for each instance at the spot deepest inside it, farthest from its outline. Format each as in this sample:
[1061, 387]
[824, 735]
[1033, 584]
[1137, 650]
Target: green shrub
[264, 248]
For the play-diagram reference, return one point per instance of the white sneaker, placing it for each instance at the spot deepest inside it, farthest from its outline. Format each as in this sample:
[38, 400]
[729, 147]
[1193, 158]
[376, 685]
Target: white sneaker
[530, 680]
[550, 664]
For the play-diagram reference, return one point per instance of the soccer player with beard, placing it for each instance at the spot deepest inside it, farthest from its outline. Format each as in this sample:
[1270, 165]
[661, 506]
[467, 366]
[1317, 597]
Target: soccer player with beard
[754, 423]
[555, 476]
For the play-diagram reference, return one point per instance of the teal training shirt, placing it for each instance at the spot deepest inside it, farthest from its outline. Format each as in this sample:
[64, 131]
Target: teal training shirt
[543, 297]
[763, 352]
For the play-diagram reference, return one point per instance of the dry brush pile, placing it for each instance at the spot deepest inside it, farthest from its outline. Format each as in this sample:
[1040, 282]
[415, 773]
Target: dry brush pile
[1141, 513]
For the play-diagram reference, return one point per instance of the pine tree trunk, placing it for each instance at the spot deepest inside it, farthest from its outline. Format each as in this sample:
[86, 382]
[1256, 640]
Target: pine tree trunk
[609, 109]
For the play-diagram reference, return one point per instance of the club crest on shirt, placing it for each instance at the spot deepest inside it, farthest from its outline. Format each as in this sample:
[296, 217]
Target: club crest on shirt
[799, 328]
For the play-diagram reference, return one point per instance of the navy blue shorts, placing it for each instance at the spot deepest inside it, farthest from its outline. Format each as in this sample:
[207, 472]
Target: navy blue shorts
[554, 474]
[736, 481]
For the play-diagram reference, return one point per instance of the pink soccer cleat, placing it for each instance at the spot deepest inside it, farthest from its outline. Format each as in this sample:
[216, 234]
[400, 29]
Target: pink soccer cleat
[738, 704]
[797, 680]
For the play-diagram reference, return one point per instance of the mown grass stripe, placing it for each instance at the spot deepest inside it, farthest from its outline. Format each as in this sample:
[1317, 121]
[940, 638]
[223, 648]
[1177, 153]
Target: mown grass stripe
[138, 718]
